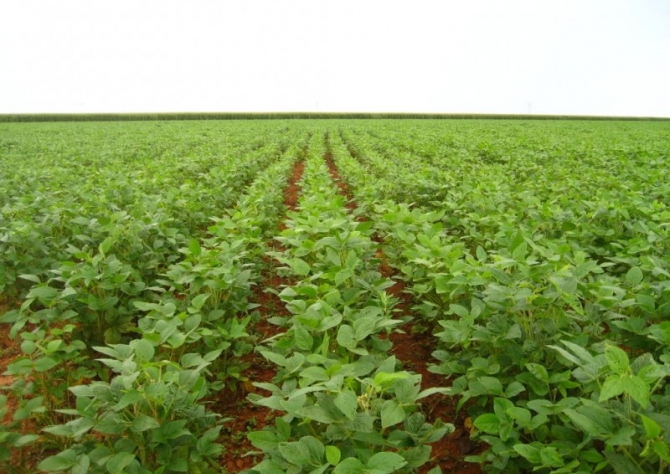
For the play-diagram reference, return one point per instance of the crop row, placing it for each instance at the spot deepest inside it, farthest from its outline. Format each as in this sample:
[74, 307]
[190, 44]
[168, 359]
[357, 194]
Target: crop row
[535, 254]
[60, 197]
[136, 404]
[558, 349]
[347, 406]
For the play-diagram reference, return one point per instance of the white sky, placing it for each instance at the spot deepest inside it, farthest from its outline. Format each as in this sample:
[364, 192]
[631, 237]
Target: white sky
[603, 57]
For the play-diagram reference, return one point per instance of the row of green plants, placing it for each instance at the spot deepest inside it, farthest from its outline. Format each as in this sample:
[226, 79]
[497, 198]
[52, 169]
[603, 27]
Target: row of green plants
[602, 189]
[345, 405]
[114, 376]
[559, 357]
[149, 188]
[536, 253]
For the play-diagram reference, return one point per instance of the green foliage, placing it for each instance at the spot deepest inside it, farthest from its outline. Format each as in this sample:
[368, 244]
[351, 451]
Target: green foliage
[347, 406]
[524, 256]
[150, 416]
[535, 253]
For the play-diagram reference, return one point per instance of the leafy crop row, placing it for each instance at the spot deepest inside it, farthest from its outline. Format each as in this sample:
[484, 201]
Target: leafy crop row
[553, 341]
[140, 407]
[348, 407]
[536, 254]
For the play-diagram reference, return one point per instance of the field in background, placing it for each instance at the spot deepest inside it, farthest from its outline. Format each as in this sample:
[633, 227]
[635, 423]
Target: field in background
[177, 293]
[163, 116]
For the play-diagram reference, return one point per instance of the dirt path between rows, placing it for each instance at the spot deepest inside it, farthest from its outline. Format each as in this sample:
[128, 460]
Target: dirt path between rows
[414, 350]
[246, 416]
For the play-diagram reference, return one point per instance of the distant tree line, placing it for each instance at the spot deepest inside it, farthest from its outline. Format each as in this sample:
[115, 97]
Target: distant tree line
[99, 117]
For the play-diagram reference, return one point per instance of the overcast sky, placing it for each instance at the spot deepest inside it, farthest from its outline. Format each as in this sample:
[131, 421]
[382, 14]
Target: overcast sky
[603, 57]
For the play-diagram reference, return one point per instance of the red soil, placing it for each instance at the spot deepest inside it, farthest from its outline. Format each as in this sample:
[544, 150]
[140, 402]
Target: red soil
[344, 189]
[9, 350]
[245, 416]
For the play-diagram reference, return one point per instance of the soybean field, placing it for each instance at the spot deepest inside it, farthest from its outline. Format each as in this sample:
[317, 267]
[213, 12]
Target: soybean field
[341, 296]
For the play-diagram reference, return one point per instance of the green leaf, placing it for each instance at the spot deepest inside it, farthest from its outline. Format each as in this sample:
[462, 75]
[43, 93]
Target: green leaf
[346, 336]
[194, 247]
[488, 423]
[531, 453]
[520, 414]
[199, 301]
[638, 390]
[416, 456]
[651, 428]
[45, 363]
[386, 462]
[105, 245]
[565, 354]
[119, 462]
[432, 391]
[295, 452]
[634, 276]
[315, 374]
[364, 327]
[538, 371]
[25, 440]
[617, 359]
[586, 424]
[591, 455]
[30, 277]
[303, 339]
[60, 462]
[45, 294]
[514, 389]
[347, 402]
[623, 437]
[486, 386]
[143, 349]
[263, 440]
[28, 347]
[277, 359]
[550, 457]
[459, 310]
[316, 413]
[391, 413]
[333, 455]
[516, 241]
[481, 254]
[300, 267]
[613, 387]
[314, 447]
[143, 423]
[283, 429]
[349, 466]
[385, 379]
[579, 351]
[59, 430]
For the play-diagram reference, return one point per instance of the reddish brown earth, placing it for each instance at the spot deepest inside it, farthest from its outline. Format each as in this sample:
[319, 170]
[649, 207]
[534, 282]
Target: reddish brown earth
[9, 350]
[244, 415]
[415, 350]
[292, 191]
[344, 189]
[24, 459]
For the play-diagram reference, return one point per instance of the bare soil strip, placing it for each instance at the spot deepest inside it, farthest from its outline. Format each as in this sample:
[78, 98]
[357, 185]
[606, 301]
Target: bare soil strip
[414, 349]
[9, 351]
[26, 458]
[245, 416]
